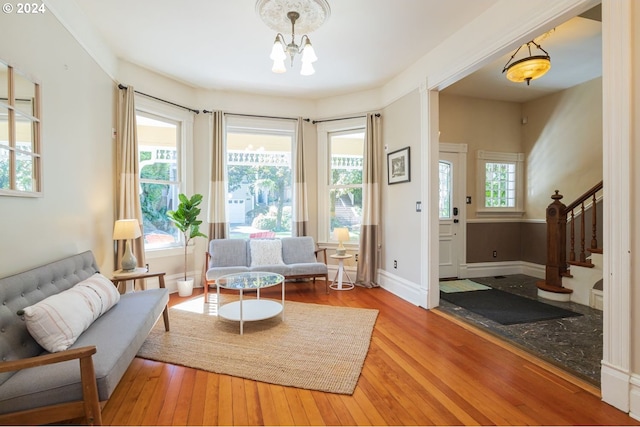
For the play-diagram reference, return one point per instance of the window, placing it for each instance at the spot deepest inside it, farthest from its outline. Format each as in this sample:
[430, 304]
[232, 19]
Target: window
[20, 150]
[163, 137]
[500, 183]
[341, 146]
[259, 175]
[445, 174]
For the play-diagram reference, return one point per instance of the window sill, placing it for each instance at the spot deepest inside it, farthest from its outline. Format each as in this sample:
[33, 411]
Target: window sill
[167, 252]
[501, 213]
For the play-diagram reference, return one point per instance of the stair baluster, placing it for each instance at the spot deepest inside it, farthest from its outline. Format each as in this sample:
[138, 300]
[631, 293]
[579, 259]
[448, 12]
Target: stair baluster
[557, 264]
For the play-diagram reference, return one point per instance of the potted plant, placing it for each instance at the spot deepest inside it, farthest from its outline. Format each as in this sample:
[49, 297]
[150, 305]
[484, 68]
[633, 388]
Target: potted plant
[186, 220]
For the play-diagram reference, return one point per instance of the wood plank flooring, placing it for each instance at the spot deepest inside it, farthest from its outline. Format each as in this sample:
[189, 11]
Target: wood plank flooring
[423, 368]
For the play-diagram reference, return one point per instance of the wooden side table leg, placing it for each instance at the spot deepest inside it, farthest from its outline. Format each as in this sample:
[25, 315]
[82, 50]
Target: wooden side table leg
[165, 312]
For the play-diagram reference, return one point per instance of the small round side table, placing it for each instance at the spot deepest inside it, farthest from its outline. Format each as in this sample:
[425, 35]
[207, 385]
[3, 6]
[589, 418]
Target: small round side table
[340, 286]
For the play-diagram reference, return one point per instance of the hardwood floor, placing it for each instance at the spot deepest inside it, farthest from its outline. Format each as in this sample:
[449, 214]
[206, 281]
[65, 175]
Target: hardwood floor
[423, 368]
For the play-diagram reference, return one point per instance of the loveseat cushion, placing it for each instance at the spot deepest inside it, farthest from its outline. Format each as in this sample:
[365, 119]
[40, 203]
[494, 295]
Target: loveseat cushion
[56, 322]
[296, 250]
[228, 253]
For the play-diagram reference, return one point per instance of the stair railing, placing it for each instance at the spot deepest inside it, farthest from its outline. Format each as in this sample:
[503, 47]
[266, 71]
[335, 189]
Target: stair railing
[558, 216]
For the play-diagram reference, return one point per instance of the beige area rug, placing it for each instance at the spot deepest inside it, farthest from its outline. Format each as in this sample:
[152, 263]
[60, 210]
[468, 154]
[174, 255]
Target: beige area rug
[316, 347]
[463, 285]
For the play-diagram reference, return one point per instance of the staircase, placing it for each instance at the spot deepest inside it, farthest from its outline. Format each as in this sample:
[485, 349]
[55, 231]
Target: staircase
[583, 282]
[573, 271]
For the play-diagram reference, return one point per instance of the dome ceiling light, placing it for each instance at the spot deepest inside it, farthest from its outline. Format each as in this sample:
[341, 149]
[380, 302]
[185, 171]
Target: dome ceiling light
[280, 15]
[529, 68]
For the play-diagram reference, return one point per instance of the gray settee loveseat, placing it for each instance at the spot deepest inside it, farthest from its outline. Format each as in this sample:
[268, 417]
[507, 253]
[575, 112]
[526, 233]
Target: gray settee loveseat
[37, 386]
[293, 257]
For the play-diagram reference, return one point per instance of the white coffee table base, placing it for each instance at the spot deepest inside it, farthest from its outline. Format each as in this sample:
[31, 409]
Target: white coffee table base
[252, 310]
[249, 310]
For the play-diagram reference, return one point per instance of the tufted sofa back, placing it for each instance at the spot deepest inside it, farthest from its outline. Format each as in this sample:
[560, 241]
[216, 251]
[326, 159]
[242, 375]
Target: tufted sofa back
[27, 288]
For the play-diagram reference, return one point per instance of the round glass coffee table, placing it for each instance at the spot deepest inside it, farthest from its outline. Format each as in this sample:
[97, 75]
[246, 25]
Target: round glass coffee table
[248, 310]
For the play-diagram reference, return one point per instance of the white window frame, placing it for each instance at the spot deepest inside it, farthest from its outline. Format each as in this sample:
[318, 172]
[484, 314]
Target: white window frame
[263, 126]
[185, 157]
[324, 173]
[516, 159]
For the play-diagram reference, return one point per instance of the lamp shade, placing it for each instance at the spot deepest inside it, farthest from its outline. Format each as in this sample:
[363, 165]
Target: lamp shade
[125, 229]
[341, 234]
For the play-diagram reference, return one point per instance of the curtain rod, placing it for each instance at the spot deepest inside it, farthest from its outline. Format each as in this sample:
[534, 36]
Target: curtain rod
[121, 86]
[256, 115]
[342, 118]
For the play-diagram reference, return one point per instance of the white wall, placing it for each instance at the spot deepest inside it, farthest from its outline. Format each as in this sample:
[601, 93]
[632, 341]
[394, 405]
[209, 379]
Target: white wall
[77, 210]
[400, 221]
[483, 125]
[562, 140]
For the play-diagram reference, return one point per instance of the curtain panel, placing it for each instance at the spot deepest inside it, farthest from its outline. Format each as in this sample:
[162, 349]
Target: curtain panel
[127, 173]
[370, 242]
[300, 202]
[217, 216]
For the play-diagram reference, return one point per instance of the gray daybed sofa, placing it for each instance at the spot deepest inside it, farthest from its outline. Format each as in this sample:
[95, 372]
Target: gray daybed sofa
[297, 259]
[38, 387]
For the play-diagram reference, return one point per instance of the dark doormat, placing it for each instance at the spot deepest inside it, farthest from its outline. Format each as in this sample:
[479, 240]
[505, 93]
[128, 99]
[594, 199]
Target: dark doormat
[506, 308]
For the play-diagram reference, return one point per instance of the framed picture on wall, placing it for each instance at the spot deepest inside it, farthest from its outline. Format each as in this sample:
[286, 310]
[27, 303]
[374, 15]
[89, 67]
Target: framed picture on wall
[399, 166]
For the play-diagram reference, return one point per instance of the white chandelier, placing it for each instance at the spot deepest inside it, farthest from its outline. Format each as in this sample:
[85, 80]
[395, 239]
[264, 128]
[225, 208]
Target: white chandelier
[309, 15]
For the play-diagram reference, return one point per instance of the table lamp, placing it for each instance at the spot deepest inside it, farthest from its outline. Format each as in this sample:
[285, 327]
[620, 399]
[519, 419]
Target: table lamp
[127, 229]
[341, 235]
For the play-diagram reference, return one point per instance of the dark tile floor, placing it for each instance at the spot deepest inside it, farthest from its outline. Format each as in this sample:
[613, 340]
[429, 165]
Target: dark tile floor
[574, 343]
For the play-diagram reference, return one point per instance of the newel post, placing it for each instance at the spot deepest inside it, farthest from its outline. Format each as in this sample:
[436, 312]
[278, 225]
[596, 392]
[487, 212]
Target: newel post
[556, 247]
[556, 241]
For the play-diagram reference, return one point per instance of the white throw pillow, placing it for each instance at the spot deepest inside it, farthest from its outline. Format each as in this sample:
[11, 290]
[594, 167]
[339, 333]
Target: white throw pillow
[266, 252]
[56, 322]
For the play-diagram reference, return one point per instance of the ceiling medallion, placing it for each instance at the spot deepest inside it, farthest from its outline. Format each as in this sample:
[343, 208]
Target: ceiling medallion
[313, 13]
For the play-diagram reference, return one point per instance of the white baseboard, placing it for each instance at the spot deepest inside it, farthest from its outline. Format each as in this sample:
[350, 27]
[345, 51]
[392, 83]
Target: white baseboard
[617, 388]
[485, 269]
[405, 289]
[634, 397]
[171, 281]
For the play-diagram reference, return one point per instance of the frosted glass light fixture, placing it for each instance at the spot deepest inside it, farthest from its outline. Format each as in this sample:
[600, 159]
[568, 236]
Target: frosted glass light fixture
[308, 14]
[529, 68]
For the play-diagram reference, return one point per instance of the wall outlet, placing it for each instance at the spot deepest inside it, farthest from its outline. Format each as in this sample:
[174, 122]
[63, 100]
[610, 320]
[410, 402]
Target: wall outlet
[395, 263]
[356, 257]
[495, 254]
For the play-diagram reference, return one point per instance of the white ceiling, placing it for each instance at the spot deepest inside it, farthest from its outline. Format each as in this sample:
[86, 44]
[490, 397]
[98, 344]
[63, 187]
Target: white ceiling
[224, 45]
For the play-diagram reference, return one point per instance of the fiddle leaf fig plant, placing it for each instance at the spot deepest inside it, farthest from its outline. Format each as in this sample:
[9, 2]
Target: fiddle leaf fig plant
[185, 218]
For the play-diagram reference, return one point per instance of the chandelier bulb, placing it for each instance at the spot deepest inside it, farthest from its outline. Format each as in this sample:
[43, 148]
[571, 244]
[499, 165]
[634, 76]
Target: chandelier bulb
[278, 66]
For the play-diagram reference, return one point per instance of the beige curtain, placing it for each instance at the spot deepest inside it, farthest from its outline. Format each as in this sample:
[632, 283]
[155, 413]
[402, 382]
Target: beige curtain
[300, 203]
[127, 173]
[370, 231]
[217, 179]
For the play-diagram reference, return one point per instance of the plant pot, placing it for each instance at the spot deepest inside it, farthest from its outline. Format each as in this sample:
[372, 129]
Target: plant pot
[185, 287]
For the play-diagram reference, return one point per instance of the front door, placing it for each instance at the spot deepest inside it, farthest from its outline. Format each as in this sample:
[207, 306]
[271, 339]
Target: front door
[451, 211]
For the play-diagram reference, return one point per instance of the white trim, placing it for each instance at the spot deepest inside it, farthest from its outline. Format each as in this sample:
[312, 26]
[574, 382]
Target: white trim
[507, 219]
[400, 287]
[617, 111]
[634, 400]
[448, 147]
[323, 131]
[185, 152]
[486, 269]
[517, 159]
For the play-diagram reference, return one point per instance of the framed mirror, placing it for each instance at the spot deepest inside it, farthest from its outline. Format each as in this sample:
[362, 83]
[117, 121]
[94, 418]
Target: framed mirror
[20, 150]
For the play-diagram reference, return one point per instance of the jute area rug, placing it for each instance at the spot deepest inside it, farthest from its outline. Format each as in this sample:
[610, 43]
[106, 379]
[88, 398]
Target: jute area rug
[316, 347]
